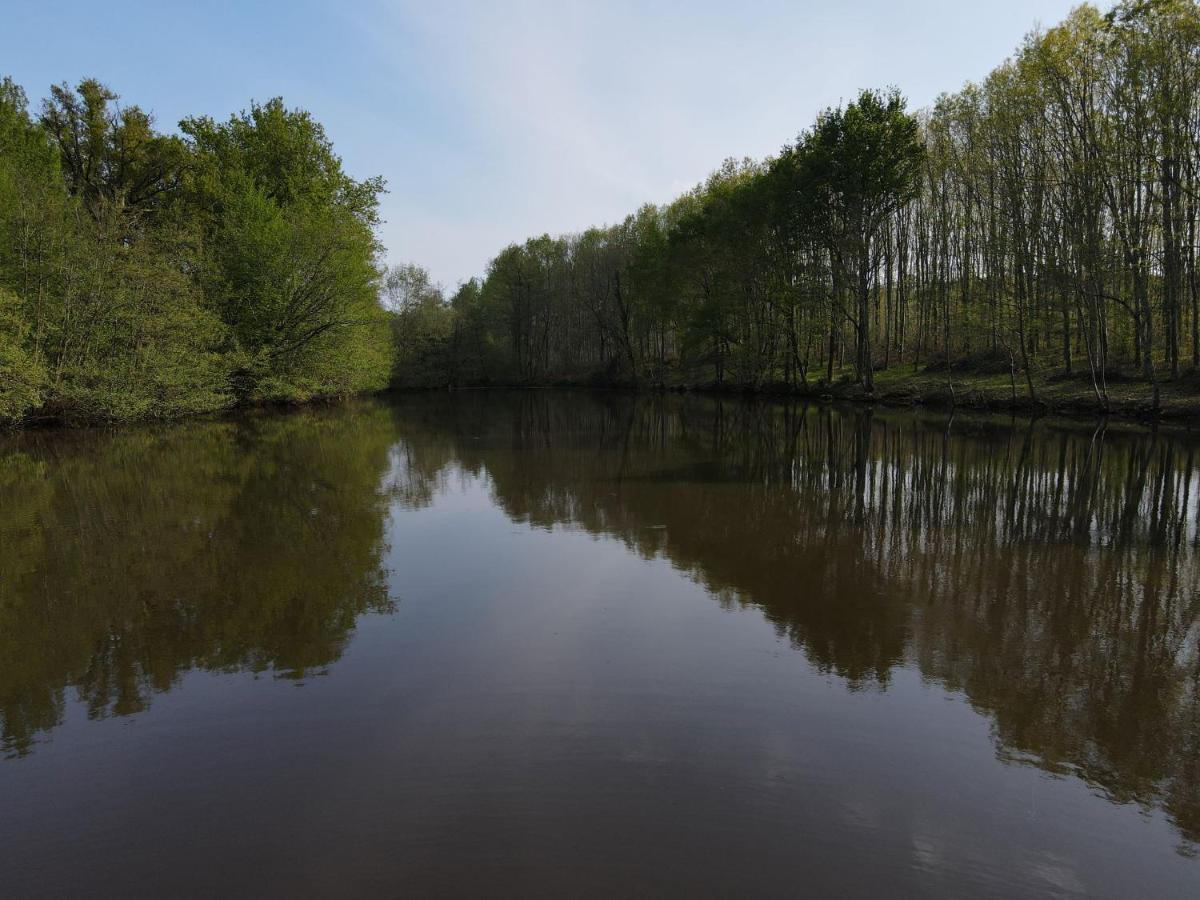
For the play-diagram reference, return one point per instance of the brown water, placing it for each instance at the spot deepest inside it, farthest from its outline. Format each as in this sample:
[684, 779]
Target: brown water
[555, 643]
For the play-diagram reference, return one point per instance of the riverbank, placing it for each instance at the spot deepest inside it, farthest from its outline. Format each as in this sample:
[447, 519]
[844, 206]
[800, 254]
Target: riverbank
[1179, 401]
[1070, 396]
[1060, 396]
[56, 420]
[1073, 395]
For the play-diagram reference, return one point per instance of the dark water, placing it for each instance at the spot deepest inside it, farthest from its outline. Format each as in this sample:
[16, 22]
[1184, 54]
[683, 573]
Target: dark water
[547, 644]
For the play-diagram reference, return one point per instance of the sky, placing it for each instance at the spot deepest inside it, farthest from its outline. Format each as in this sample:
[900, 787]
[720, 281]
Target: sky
[496, 121]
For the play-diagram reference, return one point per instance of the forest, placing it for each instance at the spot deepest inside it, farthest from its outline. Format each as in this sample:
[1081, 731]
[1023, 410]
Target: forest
[146, 275]
[1027, 240]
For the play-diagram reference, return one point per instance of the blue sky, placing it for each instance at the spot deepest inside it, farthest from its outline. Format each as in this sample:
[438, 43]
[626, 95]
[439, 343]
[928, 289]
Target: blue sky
[494, 121]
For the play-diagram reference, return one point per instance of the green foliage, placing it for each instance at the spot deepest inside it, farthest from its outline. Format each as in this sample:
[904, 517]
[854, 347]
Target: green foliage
[865, 159]
[111, 154]
[1044, 221]
[423, 328]
[22, 376]
[290, 255]
[152, 348]
[147, 276]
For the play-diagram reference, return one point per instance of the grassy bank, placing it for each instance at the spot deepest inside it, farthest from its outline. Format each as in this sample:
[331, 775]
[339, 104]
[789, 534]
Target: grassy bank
[1072, 395]
[977, 384]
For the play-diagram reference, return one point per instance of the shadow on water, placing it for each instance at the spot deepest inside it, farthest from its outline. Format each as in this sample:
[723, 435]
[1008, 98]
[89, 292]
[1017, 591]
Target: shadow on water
[1048, 573]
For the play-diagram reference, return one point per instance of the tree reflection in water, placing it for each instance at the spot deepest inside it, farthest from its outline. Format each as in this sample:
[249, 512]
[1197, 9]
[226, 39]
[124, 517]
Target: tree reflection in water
[1048, 572]
[133, 557]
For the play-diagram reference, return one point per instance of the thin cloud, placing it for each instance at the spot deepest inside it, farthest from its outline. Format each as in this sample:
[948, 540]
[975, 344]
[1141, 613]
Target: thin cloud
[555, 116]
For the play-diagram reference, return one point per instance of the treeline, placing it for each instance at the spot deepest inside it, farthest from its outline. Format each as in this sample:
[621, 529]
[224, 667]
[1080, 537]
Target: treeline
[1038, 225]
[149, 275]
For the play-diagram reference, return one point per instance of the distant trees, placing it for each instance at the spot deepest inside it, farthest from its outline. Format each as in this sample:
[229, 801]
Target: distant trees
[1040, 223]
[149, 275]
[422, 327]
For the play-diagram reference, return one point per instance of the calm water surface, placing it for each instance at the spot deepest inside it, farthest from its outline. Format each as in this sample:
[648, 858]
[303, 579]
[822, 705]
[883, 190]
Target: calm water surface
[555, 643]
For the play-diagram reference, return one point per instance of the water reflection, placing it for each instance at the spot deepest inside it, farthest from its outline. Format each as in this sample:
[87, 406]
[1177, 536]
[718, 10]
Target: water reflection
[129, 558]
[1047, 572]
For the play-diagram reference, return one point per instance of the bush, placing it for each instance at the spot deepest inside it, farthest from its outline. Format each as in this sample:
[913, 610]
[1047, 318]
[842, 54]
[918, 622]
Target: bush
[22, 375]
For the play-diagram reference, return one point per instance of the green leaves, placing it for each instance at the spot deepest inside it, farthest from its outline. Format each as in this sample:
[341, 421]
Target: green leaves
[22, 375]
[145, 276]
[290, 254]
[111, 154]
[862, 163]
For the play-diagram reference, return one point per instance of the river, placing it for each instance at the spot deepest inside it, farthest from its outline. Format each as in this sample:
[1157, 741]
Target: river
[548, 643]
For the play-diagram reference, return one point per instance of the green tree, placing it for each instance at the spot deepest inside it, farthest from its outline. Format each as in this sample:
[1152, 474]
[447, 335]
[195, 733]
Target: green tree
[108, 317]
[422, 328]
[111, 154]
[22, 375]
[290, 255]
[865, 159]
